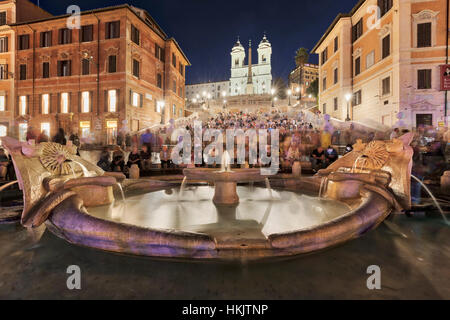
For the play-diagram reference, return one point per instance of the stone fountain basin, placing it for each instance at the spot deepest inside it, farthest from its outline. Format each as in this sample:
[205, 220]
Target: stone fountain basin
[71, 221]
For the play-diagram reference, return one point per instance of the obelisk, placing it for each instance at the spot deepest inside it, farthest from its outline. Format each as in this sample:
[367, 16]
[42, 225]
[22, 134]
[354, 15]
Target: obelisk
[249, 89]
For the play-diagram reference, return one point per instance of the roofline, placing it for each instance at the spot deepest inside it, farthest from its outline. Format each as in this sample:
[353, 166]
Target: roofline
[335, 21]
[206, 83]
[158, 30]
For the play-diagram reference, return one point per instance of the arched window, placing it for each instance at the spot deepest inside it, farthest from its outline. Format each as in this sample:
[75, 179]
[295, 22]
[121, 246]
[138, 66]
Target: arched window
[3, 131]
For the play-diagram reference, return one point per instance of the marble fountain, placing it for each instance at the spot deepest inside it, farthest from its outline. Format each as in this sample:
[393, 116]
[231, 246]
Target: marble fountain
[215, 214]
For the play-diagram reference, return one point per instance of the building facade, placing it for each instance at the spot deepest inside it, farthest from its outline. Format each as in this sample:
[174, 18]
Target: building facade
[260, 76]
[11, 12]
[116, 71]
[301, 77]
[386, 55]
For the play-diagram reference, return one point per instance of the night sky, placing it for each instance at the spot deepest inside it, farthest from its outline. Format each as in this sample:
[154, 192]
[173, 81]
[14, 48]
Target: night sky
[207, 29]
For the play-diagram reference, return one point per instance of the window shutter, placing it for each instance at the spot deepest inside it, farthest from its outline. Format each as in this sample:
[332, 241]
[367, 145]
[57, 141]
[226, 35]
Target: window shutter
[79, 102]
[91, 99]
[40, 104]
[70, 67]
[131, 97]
[119, 99]
[141, 100]
[58, 103]
[6, 103]
[106, 101]
[69, 102]
[17, 105]
[27, 109]
[107, 33]
[6, 44]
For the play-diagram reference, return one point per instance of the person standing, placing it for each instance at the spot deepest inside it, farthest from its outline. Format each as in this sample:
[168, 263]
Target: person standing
[60, 137]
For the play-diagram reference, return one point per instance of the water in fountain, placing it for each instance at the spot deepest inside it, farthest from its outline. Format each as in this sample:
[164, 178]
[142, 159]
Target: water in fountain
[183, 186]
[121, 191]
[269, 187]
[291, 211]
[226, 162]
[323, 184]
[355, 165]
[432, 197]
[86, 172]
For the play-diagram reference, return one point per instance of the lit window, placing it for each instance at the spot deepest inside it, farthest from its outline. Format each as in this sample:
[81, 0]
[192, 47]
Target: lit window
[85, 102]
[65, 102]
[136, 99]
[2, 103]
[85, 127]
[23, 128]
[45, 104]
[23, 105]
[45, 128]
[112, 100]
[3, 131]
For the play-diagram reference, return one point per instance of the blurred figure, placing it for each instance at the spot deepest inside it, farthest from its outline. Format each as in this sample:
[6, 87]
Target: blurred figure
[331, 155]
[4, 161]
[43, 137]
[146, 162]
[105, 161]
[394, 134]
[134, 157]
[118, 163]
[60, 137]
[318, 159]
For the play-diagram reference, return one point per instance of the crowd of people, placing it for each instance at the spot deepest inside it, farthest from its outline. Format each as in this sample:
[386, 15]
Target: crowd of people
[302, 139]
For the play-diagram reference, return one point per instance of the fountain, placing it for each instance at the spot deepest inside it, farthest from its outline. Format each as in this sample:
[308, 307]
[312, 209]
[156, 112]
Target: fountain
[357, 193]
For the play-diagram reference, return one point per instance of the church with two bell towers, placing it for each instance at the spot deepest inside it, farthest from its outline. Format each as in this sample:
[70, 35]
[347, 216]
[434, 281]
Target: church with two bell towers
[247, 78]
[251, 78]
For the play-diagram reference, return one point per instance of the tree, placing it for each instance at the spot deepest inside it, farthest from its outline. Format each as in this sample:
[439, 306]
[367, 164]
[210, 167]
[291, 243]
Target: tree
[301, 57]
[313, 88]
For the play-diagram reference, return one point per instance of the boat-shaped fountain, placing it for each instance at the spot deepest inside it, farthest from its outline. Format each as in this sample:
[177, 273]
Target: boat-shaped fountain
[82, 204]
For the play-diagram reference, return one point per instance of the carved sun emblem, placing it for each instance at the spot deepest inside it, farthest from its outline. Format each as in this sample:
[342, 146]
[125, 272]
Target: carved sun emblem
[54, 158]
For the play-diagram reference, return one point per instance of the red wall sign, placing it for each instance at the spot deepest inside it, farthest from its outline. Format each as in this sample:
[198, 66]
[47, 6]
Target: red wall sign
[445, 77]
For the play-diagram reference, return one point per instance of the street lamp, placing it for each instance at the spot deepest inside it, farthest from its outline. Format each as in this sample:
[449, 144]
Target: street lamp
[289, 92]
[272, 92]
[348, 97]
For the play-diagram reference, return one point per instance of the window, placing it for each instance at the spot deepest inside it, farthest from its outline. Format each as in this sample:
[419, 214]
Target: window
[174, 86]
[136, 66]
[181, 67]
[386, 86]
[370, 59]
[424, 35]
[3, 71]
[336, 44]
[3, 131]
[2, 103]
[335, 76]
[64, 68]
[424, 79]
[112, 30]
[46, 70]
[85, 65]
[85, 127]
[23, 129]
[357, 66]
[4, 44]
[386, 46]
[85, 102]
[324, 83]
[2, 18]
[46, 39]
[65, 36]
[160, 53]
[64, 102]
[23, 72]
[112, 64]
[159, 106]
[135, 35]
[45, 107]
[45, 128]
[159, 80]
[112, 100]
[335, 104]
[174, 110]
[87, 33]
[23, 105]
[24, 42]
[385, 6]
[174, 60]
[357, 30]
[135, 99]
[357, 98]
[324, 55]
